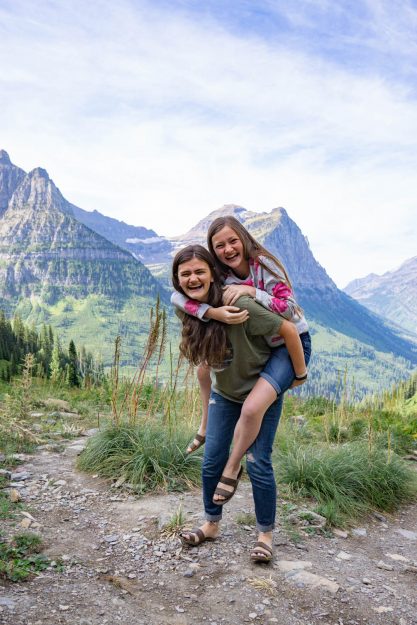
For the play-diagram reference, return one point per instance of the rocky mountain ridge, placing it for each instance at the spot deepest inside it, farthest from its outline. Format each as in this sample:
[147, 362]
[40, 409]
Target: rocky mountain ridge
[316, 291]
[45, 250]
[392, 295]
[57, 270]
[10, 177]
[54, 269]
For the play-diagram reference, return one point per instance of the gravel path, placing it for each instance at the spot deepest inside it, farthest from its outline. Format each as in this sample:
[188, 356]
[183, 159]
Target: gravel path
[114, 565]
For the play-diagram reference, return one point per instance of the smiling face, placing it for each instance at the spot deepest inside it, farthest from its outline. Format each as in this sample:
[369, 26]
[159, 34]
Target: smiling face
[229, 250]
[195, 279]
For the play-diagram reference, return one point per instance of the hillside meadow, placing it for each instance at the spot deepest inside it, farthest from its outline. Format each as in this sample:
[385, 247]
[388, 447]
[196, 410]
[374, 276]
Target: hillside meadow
[345, 458]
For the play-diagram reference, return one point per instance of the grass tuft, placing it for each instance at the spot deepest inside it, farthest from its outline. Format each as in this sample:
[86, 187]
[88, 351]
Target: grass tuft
[348, 480]
[147, 456]
[175, 523]
[246, 518]
[264, 584]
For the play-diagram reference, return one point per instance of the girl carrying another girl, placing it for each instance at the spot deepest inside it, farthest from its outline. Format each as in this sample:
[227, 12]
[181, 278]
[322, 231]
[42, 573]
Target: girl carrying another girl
[248, 269]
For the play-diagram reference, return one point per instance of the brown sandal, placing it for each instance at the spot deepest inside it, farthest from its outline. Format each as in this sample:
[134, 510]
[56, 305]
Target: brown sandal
[260, 556]
[227, 494]
[194, 446]
[193, 535]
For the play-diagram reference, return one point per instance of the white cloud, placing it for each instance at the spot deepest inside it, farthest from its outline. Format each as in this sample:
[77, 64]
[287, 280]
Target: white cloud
[157, 118]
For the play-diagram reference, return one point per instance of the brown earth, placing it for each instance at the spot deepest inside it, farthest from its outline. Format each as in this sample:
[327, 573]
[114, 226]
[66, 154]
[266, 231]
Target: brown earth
[113, 564]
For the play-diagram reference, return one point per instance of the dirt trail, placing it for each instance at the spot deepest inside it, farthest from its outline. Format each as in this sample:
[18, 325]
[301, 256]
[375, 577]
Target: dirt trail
[115, 566]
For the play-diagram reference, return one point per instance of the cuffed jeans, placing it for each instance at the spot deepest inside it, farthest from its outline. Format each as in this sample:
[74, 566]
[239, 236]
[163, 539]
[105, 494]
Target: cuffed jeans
[222, 418]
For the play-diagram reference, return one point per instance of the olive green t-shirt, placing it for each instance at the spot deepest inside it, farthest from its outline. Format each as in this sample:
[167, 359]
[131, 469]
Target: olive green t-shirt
[250, 351]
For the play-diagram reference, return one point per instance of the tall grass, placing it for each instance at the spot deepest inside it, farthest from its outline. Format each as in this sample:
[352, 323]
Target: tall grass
[348, 480]
[149, 458]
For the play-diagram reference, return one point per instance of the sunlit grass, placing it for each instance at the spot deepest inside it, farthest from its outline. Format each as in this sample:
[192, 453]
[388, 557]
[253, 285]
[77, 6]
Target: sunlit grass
[147, 456]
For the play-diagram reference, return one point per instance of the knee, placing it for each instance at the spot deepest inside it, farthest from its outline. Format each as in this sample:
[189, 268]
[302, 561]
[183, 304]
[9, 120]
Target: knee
[259, 468]
[250, 411]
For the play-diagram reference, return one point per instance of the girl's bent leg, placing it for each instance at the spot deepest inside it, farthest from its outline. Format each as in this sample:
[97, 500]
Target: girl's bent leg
[279, 370]
[289, 333]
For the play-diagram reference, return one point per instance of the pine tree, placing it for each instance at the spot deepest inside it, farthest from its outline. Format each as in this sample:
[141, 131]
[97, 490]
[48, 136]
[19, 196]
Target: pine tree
[55, 367]
[73, 378]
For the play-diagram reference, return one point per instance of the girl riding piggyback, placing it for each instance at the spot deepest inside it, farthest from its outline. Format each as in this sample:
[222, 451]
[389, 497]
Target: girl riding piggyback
[249, 269]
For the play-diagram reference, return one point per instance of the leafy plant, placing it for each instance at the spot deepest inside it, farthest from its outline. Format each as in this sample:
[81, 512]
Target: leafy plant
[20, 559]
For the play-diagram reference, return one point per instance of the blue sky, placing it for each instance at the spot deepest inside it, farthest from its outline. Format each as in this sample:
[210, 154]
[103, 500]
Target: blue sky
[159, 112]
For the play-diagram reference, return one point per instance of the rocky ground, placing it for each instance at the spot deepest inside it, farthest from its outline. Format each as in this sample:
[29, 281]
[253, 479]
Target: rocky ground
[112, 561]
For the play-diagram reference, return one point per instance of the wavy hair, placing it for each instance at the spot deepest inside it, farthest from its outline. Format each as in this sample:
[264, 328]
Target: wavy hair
[251, 247]
[202, 342]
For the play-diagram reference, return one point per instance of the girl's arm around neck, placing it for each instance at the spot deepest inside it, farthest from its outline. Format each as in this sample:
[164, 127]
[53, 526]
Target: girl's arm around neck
[190, 306]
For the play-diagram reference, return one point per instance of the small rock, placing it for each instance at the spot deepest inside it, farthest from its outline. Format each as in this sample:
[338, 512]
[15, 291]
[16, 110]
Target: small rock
[64, 608]
[382, 609]
[343, 555]
[113, 538]
[383, 565]
[366, 581]
[179, 609]
[14, 495]
[20, 476]
[252, 615]
[397, 557]
[6, 601]
[407, 534]
[91, 432]
[25, 523]
[360, 532]
[379, 517]
[189, 573]
[340, 533]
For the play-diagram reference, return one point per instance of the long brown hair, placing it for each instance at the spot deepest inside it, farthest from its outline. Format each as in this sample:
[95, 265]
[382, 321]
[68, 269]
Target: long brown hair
[251, 247]
[202, 342]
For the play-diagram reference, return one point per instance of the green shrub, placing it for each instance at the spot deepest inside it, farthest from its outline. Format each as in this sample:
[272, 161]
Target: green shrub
[20, 559]
[348, 480]
[147, 456]
[318, 406]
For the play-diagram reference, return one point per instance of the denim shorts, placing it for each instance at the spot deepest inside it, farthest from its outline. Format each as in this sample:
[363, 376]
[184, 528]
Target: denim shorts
[279, 371]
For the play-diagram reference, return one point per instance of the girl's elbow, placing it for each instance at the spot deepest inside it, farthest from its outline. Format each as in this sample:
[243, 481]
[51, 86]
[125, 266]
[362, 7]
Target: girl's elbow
[288, 329]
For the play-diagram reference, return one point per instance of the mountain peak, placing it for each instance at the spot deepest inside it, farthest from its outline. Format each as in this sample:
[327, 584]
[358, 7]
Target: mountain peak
[4, 158]
[39, 172]
[38, 192]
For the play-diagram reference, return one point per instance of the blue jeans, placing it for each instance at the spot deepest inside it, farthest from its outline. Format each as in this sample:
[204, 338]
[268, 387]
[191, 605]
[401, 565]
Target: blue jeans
[222, 418]
[279, 371]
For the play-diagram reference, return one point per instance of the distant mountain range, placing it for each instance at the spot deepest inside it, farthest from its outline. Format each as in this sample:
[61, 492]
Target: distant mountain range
[392, 295]
[86, 274]
[316, 291]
